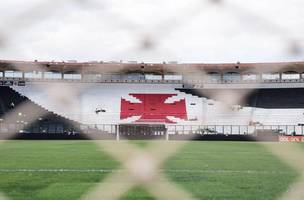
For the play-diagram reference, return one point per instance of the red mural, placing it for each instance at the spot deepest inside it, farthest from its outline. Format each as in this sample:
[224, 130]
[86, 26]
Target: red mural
[153, 108]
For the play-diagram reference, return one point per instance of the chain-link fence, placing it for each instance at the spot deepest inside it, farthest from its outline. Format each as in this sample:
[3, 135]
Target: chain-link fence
[188, 31]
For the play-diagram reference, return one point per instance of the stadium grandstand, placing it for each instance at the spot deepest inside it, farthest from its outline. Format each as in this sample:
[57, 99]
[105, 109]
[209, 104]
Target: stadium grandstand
[166, 100]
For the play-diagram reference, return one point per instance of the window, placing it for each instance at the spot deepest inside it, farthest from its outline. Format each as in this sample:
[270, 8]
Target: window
[72, 76]
[134, 76]
[214, 76]
[13, 74]
[249, 77]
[92, 77]
[232, 76]
[173, 77]
[52, 75]
[153, 77]
[270, 76]
[33, 74]
[290, 75]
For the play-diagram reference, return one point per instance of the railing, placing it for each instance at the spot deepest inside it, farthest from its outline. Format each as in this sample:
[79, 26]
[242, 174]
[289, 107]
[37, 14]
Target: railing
[59, 128]
[124, 79]
[17, 81]
[99, 128]
[39, 128]
[187, 82]
[235, 129]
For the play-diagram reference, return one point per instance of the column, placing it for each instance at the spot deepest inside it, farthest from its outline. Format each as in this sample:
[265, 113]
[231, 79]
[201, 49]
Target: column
[117, 132]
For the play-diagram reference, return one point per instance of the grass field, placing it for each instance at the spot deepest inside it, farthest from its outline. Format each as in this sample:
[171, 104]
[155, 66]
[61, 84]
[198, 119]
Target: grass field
[208, 170]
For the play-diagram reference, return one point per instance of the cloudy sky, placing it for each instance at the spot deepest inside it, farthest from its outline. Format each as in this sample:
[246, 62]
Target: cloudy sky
[152, 30]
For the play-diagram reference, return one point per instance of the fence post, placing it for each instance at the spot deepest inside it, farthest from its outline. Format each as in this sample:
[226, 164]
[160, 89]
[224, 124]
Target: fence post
[117, 132]
[167, 134]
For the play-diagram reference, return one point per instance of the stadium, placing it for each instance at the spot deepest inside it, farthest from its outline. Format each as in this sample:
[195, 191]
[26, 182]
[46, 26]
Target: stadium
[233, 103]
[139, 100]
[150, 100]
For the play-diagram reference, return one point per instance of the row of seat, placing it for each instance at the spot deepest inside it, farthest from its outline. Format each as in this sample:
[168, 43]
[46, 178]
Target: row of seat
[23, 119]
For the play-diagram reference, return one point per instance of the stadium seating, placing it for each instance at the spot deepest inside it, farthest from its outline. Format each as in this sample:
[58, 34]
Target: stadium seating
[46, 122]
[266, 106]
[109, 97]
[260, 98]
[163, 103]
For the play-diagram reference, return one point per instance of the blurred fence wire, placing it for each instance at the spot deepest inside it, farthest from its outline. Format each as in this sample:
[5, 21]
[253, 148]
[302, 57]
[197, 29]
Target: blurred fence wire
[150, 25]
[168, 19]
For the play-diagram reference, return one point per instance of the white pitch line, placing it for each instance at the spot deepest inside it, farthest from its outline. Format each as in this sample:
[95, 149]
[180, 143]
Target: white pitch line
[227, 171]
[60, 170]
[162, 170]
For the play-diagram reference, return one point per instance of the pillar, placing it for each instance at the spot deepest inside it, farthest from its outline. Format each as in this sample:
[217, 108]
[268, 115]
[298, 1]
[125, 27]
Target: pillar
[117, 132]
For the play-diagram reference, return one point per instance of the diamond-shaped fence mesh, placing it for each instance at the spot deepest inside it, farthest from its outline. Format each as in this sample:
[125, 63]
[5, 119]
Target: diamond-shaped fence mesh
[148, 40]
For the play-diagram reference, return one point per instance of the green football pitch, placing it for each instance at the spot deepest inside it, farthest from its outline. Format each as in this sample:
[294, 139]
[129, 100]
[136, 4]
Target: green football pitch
[208, 170]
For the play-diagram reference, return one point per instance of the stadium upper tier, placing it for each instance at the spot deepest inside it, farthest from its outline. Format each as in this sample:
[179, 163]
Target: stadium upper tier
[245, 75]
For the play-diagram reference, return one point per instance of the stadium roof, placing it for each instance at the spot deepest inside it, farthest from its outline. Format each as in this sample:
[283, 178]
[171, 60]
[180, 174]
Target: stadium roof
[124, 67]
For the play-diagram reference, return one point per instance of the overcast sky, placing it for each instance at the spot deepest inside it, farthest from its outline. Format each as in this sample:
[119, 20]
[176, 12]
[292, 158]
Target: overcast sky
[152, 30]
